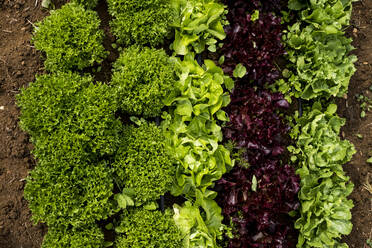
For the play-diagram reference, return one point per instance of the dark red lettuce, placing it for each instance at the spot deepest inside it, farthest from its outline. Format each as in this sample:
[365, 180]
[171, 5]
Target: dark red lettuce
[261, 5]
[255, 124]
[259, 215]
[255, 44]
[260, 218]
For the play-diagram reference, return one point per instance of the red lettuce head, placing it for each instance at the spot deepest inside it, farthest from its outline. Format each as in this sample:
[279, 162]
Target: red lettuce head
[255, 124]
[255, 44]
[260, 218]
[250, 5]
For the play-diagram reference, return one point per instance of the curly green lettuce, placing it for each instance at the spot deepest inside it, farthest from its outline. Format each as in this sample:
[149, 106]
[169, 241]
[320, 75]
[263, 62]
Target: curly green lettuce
[142, 78]
[141, 22]
[145, 228]
[89, 236]
[143, 164]
[70, 38]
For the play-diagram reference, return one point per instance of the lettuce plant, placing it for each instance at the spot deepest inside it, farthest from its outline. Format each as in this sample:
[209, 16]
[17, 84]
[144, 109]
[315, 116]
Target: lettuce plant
[70, 102]
[320, 68]
[145, 228]
[257, 195]
[141, 22]
[73, 126]
[318, 50]
[257, 201]
[329, 16]
[143, 164]
[191, 127]
[325, 209]
[90, 4]
[199, 222]
[193, 135]
[69, 190]
[255, 124]
[255, 44]
[71, 38]
[89, 236]
[265, 6]
[142, 78]
[320, 63]
[199, 24]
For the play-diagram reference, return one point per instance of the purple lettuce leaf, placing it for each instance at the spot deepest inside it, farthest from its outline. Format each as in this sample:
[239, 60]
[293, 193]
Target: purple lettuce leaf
[255, 125]
[259, 213]
[261, 5]
[260, 218]
[254, 44]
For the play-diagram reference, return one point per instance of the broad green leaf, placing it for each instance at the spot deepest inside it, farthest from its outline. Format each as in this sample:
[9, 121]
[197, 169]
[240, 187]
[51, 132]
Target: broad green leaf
[296, 4]
[184, 107]
[239, 71]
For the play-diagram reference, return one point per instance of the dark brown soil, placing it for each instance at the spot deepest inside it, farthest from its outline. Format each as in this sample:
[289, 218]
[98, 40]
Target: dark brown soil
[358, 169]
[19, 62]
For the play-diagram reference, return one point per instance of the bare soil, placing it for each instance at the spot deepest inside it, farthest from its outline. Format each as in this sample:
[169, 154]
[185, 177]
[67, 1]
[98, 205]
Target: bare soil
[19, 62]
[358, 169]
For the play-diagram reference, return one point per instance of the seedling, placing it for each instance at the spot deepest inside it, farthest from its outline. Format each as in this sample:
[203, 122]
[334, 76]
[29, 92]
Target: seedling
[365, 104]
[370, 158]
[369, 243]
[359, 136]
[367, 186]
[46, 3]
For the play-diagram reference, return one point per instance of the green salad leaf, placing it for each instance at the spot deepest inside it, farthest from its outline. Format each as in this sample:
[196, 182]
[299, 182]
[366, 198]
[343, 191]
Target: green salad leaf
[192, 129]
[70, 38]
[325, 209]
[87, 236]
[318, 51]
[141, 22]
[199, 24]
[141, 228]
[199, 222]
[143, 165]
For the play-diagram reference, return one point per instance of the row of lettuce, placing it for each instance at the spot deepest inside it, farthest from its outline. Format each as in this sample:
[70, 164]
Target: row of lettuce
[319, 68]
[90, 165]
[261, 190]
[258, 194]
[97, 166]
[221, 147]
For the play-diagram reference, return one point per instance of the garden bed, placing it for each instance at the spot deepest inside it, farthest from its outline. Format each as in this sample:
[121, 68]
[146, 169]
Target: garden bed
[19, 62]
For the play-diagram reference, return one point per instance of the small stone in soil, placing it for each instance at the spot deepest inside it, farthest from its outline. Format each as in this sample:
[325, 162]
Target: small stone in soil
[19, 74]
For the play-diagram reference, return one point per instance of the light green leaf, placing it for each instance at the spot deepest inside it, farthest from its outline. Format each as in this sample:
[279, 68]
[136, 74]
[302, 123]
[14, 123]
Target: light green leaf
[109, 226]
[254, 183]
[151, 206]
[121, 201]
[255, 16]
[184, 108]
[239, 71]
[108, 244]
[221, 60]
[46, 3]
